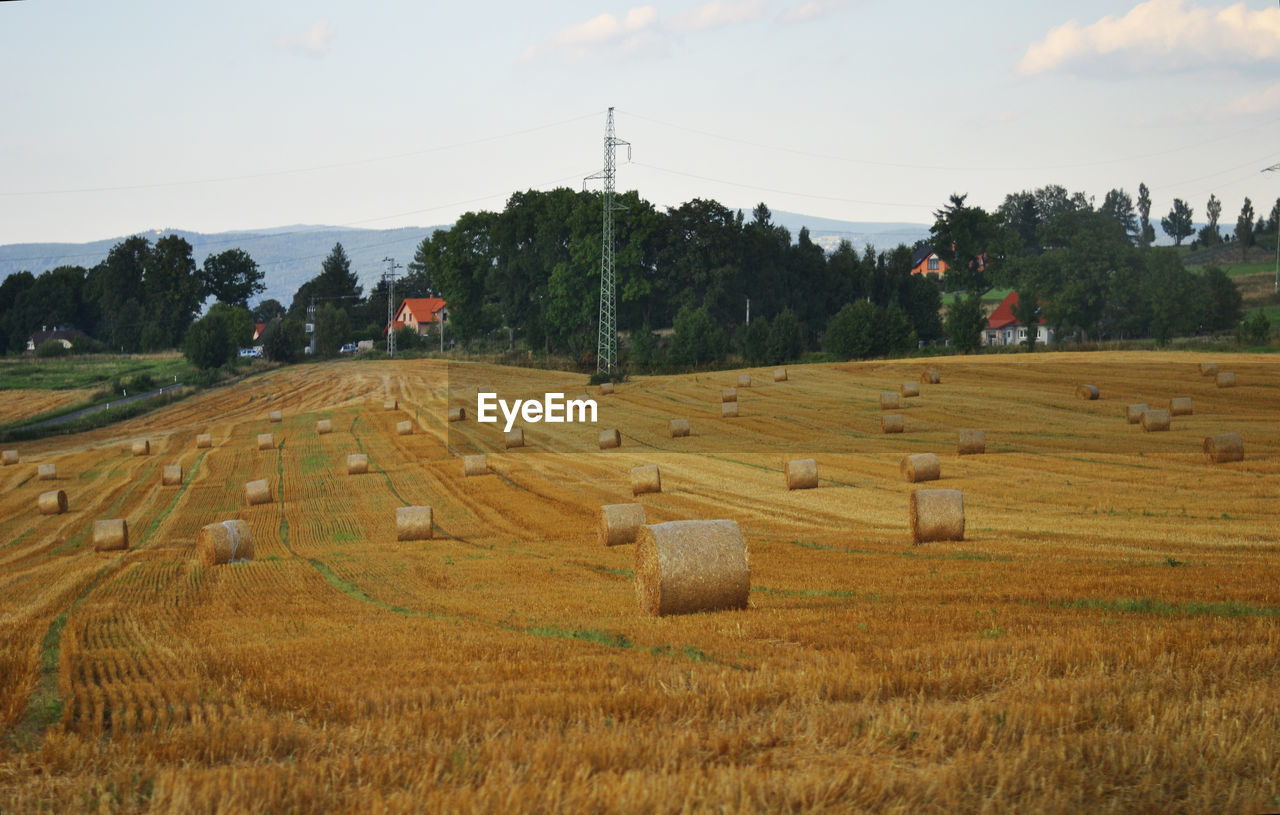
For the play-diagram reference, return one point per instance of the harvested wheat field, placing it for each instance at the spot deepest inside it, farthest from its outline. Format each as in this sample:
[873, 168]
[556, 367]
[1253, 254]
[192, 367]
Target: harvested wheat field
[1105, 638]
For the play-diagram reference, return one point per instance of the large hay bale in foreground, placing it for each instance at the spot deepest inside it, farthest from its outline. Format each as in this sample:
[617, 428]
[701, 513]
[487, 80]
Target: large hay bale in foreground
[1224, 447]
[171, 475]
[619, 523]
[47, 472]
[1153, 420]
[324, 427]
[688, 566]
[53, 502]
[610, 439]
[802, 474]
[892, 423]
[10, 458]
[921, 467]
[458, 414]
[971, 442]
[1181, 406]
[513, 438]
[744, 380]
[224, 542]
[357, 464]
[779, 374]
[141, 448]
[475, 465]
[937, 515]
[1088, 392]
[909, 389]
[404, 428]
[930, 378]
[266, 441]
[728, 395]
[1133, 413]
[414, 524]
[728, 410]
[390, 404]
[606, 388]
[889, 400]
[646, 478]
[257, 492]
[204, 440]
[275, 416]
[1226, 379]
[1208, 369]
[110, 536]
[678, 428]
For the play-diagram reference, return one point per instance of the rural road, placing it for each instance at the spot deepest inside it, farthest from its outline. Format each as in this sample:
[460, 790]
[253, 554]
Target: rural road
[124, 400]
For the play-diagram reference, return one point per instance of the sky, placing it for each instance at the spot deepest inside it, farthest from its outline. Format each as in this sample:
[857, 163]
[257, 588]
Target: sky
[138, 115]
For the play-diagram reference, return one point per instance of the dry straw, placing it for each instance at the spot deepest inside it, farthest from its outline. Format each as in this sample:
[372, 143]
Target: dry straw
[1208, 369]
[687, 566]
[889, 400]
[1133, 413]
[404, 428]
[47, 472]
[390, 404]
[171, 475]
[266, 441]
[110, 536]
[610, 439]
[324, 426]
[513, 438]
[1180, 406]
[908, 389]
[275, 416]
[224, 542]
[142, 448]
[921, 467]
[204, 440]
[728, 410]
[930, 378]
[257, 492]
[779, 374]
[744, 380]
[458, 414]
[646, 478]
[678, 428]
[606, 388]
[892, 423]
[1153, 420]
[10, 457]
[971, 442]
[414, 524]
[802, 474]
[1089, 392]
[937, 515]
[1224, 447]
[475, 465]
[1226, 379]
[53, 502]
[619, 523]
[357, 464]
[729, 395]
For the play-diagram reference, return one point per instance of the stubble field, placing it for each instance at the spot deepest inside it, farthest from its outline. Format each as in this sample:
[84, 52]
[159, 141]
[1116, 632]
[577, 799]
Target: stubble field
[1105, 639]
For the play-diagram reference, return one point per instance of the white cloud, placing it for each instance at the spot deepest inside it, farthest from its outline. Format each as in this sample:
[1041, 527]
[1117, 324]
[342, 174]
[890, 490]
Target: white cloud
[1264, 101]
[313, 42]
[601, 30]
[717, 14]
[808, 10]
[1162, 35]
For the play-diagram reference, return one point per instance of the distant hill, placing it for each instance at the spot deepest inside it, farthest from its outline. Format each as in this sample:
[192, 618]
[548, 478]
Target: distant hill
[828, 233]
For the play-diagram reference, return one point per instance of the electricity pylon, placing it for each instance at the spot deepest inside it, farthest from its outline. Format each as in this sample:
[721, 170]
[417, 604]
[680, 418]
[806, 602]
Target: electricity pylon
[607, 344]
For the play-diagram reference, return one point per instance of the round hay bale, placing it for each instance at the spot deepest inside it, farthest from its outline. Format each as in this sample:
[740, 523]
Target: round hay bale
[10, 458]
[779, 374]
[1089, 392]
[357, 464]
[1226, 379]
[404, 428]
[414, 524]
[728, 410]
[1181, 406]
[475, 465]
[142, 448]
[1133, 413]
[921, 467]
[266, 441]
[458, 414]
[689, 566]
[744, 380]
[1224, 447]
[889, 400]
[619, 523]
[47, 472]
[606, 388]
[171, 475]
[324, 427]
[908, 389]
[971, 442]
[728, 395]
[224, 542]
[1153, 420]
[53, 502]
[610, 439]
[513, 438]
[110, 536]
[275, 416]
[930, 378]
[257, 492]
[204, 440]
[937, 515]
[1208, 369]
[678, 428]
[646, 478]
[892, 423]
[390, 404]
[802, 474]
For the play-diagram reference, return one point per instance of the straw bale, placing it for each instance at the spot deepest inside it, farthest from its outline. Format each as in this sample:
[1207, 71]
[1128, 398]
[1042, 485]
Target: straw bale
[971, 442]
[357, 464]
[1153, 420]
[224, 542]
[275, 416]
[171, 475]
[1208, 369]
[390, 404]
[1088, 392]
[1224, 447]
[728, 410]
[204, 440]
[142, 448]
[475, 465]
[779, 374]
[404, 428]
[1226, 379]
[744, 380]
[937, 515]
[678, 427]
[414, 524]
[266, 441]
[619, 523]
[889, 400]
[930, 378]
[802, 474]
[908, 389]
[1133, 413]
[513, 438]
[728, 395]
[458, 414]
[53, 502]
[610, 439]
[1181, 406]
[257, 492]
[10, 457]
[110, 536]
[47, 472]
[646, 478]
[606, 388]
[892, 423]
[921, 467]
[689, 566]
[324, 426]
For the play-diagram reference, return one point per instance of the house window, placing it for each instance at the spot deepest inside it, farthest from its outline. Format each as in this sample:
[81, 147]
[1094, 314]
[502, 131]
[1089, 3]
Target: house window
[1022, 333]
[933, 263]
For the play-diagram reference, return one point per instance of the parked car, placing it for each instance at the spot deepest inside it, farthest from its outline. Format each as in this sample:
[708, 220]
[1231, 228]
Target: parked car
[349, 348]
[252, 353]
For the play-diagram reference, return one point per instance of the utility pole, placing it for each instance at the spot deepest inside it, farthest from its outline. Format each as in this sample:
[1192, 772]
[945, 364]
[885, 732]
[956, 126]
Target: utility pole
[311, 323]
[607, 344]
[390, 277]
[1272, 169]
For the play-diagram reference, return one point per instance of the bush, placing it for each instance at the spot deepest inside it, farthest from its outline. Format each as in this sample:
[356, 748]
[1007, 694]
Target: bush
[786, 338]
[87, 345]
[644, 352]
[698, 339]
[208, 345]
[284, 340]
[753, 341]
[1256, 330]
[52, 348]
[851, 331]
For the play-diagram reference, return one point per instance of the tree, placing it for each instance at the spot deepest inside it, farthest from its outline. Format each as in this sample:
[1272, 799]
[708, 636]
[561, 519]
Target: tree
[336, 281]
[12, 326]
[1118, 206]
[965, 322]
[1027, 312]
[1146, 234]
[1244, 227]
[284, 339]
[753, 342]
[231, 277]
[1175, 296]
[332, 327]
[698, 339]
[1223, 302]
[786, 337]
[268, 310]
[852, 333]
[1209, 233]
[172, 290]
[117, 279]
[1177, 224]
[214, 339]
[970, 240]
[644, 351]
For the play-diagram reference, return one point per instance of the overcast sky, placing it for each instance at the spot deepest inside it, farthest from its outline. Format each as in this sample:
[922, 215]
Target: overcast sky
[132, 115]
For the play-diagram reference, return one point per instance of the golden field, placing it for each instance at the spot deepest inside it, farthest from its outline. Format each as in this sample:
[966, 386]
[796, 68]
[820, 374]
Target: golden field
[1105, 639]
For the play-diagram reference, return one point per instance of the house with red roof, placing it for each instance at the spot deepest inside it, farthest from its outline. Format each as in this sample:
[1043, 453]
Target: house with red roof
[1004, 329]
[419, 314]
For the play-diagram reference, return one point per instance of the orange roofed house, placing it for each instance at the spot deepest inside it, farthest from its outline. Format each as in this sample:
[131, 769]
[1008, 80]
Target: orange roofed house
[419, 313]
[1004, 329]
[926, 261]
